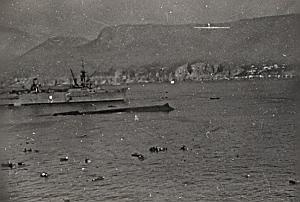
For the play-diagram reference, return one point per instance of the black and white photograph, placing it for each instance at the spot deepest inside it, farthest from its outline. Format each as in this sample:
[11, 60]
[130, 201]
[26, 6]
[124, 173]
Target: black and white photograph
[149, 100]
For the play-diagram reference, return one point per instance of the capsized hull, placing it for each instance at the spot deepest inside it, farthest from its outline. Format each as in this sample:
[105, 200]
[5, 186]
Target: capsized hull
[71, 96]
[152, 108]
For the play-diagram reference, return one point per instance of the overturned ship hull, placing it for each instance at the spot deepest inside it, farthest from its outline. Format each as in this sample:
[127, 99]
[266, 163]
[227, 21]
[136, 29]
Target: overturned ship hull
[153, 108]
[71, 96]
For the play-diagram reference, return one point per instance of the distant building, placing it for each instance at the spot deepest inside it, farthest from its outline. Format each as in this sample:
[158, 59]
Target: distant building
[236, 71]
[181, 72]
[103, 78]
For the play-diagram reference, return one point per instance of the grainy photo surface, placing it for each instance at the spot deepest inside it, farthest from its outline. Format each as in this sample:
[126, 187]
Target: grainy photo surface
[149, 100]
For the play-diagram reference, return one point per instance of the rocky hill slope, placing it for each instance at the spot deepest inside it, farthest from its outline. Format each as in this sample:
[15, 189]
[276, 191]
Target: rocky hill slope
[252, 41]
[14, 43]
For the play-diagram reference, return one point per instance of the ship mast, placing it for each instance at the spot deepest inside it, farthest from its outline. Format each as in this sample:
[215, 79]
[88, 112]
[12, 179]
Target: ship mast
[83, 74]
[82, 64]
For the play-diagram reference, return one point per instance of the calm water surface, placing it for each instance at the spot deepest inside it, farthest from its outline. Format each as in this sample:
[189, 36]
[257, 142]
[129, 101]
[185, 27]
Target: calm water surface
[241, 147]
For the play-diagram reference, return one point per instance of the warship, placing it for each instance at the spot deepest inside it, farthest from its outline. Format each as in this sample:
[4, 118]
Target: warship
[84, 92]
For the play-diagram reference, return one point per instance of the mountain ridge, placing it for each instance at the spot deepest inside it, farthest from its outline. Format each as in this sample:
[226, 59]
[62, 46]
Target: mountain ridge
[14, 43]
[250, 41]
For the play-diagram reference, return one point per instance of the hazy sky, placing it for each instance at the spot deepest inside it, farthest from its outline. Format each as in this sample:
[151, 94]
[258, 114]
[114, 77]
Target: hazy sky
[87, 17]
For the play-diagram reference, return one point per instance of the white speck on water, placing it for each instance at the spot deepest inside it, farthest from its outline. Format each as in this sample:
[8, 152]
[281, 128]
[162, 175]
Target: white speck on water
[235, 138]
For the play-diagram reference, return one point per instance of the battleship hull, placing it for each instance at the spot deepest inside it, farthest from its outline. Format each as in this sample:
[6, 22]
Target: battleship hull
[153, 108]
[70, 96]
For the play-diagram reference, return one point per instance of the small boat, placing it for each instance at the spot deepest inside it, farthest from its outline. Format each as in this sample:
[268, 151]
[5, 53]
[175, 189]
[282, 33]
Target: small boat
[74, 93]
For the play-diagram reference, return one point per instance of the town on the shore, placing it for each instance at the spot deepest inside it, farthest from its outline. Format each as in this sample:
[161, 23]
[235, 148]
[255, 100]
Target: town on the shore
[199, 71]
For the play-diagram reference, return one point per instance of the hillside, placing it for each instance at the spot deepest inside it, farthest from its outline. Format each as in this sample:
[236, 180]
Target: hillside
[260, 40]
[14, 43]
[50, 57]
[269, 39]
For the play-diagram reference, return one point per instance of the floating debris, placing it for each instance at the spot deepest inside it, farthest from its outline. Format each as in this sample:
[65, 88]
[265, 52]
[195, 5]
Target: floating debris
[44, 174]
[139, 156]
[64, 159]
[36, 151]
[293, 182]
[136, 118]
[81, 136]
[87, 161]
[184, 148]
[9, 164]
[98, 179]
[158, 149]
[21, 164]
[27, 150]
